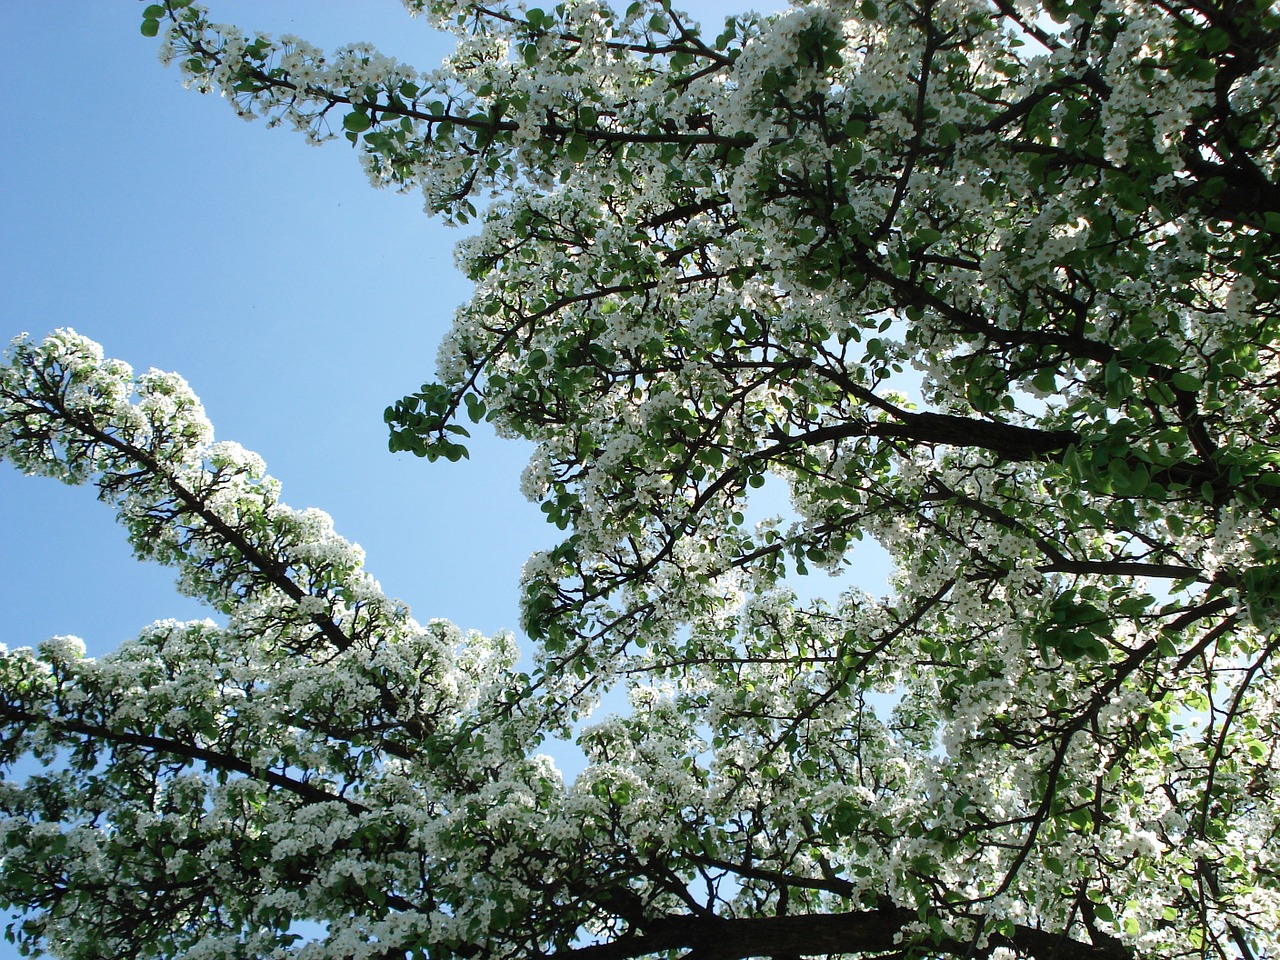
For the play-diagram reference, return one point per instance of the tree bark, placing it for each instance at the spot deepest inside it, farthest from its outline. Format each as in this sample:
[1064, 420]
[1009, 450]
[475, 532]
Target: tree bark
[812, 935]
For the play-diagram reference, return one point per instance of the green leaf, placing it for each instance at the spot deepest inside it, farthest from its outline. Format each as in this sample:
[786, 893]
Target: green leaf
[1215, 40]
[153, 11]
[356, 122]
[1203, 70]
[577, 147]
[1046, 380]
[150, 27]
[475, 407]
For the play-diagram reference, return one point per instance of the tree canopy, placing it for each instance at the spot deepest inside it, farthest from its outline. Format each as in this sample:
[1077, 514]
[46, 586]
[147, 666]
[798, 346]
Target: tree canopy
[992, 283]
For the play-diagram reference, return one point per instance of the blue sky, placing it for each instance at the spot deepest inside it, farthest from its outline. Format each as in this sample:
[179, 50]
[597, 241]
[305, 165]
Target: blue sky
[297, 302]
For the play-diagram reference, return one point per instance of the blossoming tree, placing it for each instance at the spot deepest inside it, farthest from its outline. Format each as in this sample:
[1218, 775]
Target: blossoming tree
[991, 282]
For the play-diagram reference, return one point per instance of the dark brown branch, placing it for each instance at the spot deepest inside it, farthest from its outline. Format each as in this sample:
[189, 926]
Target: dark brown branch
[1008, 440]
[810, 935]
[186, 751]
[1124, 568]
[834, 885]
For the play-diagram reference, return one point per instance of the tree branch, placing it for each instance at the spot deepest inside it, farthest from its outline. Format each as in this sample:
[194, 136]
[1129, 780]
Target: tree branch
[867, 931]
[188, 751]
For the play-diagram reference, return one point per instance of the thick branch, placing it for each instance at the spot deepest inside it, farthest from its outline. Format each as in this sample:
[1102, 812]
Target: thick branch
[868, 931]
[1010, 441]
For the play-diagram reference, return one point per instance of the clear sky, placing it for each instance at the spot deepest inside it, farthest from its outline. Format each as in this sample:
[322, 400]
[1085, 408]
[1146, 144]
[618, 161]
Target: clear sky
[297, 302]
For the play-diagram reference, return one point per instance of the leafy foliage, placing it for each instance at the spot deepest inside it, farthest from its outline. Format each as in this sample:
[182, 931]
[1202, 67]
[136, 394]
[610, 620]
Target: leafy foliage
[993, 284]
